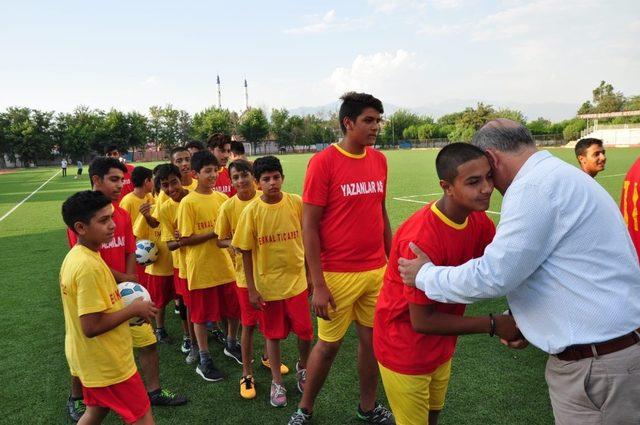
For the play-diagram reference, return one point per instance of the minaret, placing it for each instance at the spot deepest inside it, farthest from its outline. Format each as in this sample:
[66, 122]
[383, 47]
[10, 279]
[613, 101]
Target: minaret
[246, 94]
[219, 93]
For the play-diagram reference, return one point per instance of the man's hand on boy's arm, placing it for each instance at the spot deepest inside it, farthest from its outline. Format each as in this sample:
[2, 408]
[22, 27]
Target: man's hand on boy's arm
[254, 296]
[409, 268]
[94, 324]
[322, 298]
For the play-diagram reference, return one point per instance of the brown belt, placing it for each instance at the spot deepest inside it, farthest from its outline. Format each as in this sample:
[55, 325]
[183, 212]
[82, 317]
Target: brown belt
[584, 351]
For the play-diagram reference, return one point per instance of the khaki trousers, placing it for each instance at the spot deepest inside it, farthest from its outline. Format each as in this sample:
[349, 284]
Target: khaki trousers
[603, 390]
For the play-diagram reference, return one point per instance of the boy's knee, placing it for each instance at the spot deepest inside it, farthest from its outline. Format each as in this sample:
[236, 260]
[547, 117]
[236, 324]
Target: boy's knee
[328, 350]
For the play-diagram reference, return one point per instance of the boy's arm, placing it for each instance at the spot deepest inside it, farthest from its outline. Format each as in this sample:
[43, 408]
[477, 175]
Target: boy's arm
[197, 239]
[125, 277]
[254, 296]
[322, 297]
[94, 324]
[387, 233]
[224, 243]
[145, 210]
[425, 319]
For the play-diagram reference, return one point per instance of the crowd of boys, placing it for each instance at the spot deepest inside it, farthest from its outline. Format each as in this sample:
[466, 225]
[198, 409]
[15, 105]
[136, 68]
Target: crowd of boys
[236, 251]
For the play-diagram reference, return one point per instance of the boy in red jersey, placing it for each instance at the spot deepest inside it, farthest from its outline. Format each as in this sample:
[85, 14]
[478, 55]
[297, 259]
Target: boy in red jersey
[112, 151]
[414, 337]
[629, 204]
[346, 235]
[220, 146]
[107, 176]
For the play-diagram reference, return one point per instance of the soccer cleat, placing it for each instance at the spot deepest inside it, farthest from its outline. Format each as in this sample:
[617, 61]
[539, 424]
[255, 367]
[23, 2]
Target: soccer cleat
[283, 367]
[218, 335]
[164, 397]
[247, 387]
[176, 308]
[208, 371]
[300, 417]
[379, 415]
[162, 336]
[186, 345]
[278, 397]
[233, 352]
[301, 377]
[75, 408]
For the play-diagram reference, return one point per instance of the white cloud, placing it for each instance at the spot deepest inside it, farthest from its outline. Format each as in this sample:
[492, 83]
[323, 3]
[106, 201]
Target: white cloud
[440, 30]
[327, 22]
[151, 81]
[385, 74]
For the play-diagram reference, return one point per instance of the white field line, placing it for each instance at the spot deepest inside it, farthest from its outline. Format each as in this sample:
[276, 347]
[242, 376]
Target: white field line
[8, 213]
[423, 202]
[418, 196]
[611, 175]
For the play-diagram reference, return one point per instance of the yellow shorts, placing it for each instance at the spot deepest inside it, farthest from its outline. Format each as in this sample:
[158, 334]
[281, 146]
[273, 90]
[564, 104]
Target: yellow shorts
[355, 295]
[412, 396]
[142, 335]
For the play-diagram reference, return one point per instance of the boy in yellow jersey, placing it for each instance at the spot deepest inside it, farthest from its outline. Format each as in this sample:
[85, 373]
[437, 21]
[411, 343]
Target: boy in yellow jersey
[97, 338]
[244, 183]
[132, 202]
[167, 178]
[211, 294]
[181, 158]
[160, 272]
[269, 234]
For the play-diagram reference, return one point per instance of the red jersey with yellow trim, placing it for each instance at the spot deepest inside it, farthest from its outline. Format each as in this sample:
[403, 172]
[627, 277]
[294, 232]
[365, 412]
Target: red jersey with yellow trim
[123, 243]
[397, 346]
[630, 203]
[127, 184]
[223, 183]
[352, 189]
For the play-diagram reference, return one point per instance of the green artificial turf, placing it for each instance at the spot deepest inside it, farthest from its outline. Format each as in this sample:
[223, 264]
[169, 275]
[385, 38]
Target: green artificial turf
[489, 384]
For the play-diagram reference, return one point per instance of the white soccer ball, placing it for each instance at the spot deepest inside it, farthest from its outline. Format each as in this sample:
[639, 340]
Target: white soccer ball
[146, 252]
[130, 291]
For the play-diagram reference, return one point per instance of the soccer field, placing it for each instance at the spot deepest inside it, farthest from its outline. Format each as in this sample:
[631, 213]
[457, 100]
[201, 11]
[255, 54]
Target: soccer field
[490, 383]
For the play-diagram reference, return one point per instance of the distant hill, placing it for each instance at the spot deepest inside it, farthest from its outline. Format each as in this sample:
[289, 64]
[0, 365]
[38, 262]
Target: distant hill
[554, 111]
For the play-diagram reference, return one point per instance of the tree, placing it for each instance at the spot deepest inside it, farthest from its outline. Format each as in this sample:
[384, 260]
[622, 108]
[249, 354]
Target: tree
[511, 114]
[539, 126]
[28, 134]
[280, 128]
[573, 128]
[393, 129]
[212, 120]
[606, 99]
[254, 126]
[169, 127]
[76, 132]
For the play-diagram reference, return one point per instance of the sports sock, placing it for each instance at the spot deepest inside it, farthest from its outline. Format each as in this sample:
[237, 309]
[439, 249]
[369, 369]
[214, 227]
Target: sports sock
[231, 342]
[204, 357]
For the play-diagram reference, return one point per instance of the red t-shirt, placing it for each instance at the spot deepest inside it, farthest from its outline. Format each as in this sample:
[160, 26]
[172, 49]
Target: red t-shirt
[115, 252]
[223, 183]
[630, 203]
[352, 190]
[397, 346]
[127, 184]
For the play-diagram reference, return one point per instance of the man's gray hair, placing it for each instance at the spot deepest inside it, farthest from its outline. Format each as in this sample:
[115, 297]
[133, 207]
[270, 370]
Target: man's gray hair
[503, 135]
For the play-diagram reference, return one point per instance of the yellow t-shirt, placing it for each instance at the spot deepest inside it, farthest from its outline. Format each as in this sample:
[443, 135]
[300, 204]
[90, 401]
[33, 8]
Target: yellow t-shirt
[162, 197]
[207, 265]
[226, 225]
[273, 233]
[163, 266]
[87, 286]
[168, 225]
[131, 204]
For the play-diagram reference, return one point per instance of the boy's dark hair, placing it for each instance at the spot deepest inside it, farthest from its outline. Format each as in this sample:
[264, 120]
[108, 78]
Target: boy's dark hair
[82, 206]
[162, 172]
[452, 156]
[194, 144]
[584, 144]
[139, 175]
[266, 164]
[175, 150]
[202, 159]
[354, 103]
[111, 148]
[237, 147]
[101, 165]
[218, 140]
[240, 165]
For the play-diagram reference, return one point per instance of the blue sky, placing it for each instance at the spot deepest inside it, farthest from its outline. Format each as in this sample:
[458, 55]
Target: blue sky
[135, 54]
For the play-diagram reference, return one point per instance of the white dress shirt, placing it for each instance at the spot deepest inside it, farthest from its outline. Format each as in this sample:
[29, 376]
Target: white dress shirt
[562, 256]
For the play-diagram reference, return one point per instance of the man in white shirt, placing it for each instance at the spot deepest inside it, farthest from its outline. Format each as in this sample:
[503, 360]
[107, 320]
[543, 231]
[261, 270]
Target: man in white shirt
[565, 261]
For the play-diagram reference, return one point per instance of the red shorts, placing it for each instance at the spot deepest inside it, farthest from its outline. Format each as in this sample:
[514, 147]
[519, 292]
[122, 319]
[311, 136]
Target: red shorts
[249, 316]
[213, 304]
[128, 398]
[143, 277]
[179, 283]
[161, 290]
[284, 316]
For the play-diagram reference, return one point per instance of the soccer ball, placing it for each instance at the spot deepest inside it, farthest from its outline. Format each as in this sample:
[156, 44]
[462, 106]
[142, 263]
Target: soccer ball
[130, 291]
[146, 252]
